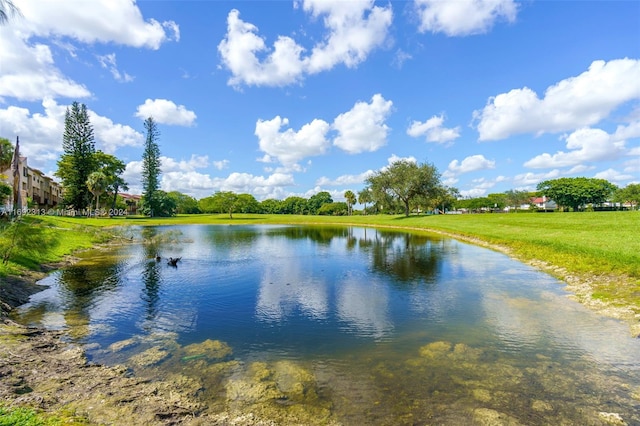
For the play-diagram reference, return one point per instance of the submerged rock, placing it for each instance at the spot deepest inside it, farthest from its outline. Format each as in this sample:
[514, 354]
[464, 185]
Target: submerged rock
[150, 357]
[123, 344]
[612, 418]
[488, 417]
[208, 350]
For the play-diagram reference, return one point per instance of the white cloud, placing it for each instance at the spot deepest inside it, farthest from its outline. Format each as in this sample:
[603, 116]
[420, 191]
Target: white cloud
[394, 159]
[614, 176]
[463, 17]
[344, 180]
[363, 128]
[103, 21]
[164, 111]
[109, 62]
[195, 162]
[584, 145]
[570, 104]
[29, 72]
[110, 136]
[221, 164]
[239, 51]
[354, 28]
[290, 146]
[530, 180]
[41, 133]
[28, 69]
[471, 164]
[433, 130]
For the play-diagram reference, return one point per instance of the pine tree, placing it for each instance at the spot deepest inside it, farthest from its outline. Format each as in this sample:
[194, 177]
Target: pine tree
[77, 162]
[151, 170]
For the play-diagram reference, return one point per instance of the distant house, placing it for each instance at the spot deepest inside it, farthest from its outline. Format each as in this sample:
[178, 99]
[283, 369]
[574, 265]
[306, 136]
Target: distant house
[540, 203]
[132, 202]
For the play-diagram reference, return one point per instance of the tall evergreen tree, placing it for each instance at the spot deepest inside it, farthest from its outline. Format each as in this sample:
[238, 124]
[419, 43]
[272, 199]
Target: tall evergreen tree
[151, 170]
[77, 162]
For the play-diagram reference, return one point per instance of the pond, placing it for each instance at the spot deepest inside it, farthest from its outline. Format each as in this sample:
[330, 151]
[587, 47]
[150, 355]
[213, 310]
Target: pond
[341, 325]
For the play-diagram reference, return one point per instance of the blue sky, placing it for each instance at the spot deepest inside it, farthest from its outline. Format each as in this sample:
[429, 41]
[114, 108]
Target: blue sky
[281, 98]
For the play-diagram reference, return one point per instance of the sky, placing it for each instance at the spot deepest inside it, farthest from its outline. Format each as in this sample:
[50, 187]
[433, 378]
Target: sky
[290, 98]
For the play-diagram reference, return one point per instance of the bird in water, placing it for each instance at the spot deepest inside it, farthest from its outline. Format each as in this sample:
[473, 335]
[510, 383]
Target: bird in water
[174, 261]
[158, 258]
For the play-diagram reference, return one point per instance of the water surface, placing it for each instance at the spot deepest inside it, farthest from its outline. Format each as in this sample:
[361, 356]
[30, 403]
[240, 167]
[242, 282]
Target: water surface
[347, 325]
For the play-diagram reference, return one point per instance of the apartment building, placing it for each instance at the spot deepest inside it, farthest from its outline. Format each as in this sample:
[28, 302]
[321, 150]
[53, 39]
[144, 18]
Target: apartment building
[42, 190]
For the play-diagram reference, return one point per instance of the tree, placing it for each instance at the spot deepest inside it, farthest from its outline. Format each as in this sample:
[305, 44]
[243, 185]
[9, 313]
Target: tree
[271, 206]
[97, 183]
[351, 200]
[77, 162]
[151, 169]
[112, 167]
[226, 202]
[405, 181]
[334, 209]
[7, 10]
[6, 154]
[517, 198]
[365, 196]
[185, 204]
[5, 192]
[316, 201]
[629, 194]
[247, 203]
[577, 192]
[294, 205]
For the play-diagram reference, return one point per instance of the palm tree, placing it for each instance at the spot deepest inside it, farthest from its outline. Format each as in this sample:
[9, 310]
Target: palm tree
[365, 196]
[7, 10]
[97, 183]
[351, 200]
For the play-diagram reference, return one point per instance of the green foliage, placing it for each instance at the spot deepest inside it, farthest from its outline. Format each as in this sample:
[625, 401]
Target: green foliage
[151, 170]
[351, 200]
[629, 194]
[317, 200]
[113, 168]
[577, 192]
[334, 209]
[6, 154]
[5, 192]
[185, 204]
[271, 206]
[295, 205]
[517, 198]
[77, 162]
[247, 203]
[365, 197]
[165, 206]
[23, 416]
[221, 202]
[97, 183]
[406, 182]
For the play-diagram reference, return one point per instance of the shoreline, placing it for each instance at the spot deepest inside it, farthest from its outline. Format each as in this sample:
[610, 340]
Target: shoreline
[96, 394]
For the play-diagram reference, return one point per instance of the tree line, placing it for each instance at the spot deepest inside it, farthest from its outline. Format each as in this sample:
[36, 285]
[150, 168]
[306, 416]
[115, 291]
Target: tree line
[403, 187]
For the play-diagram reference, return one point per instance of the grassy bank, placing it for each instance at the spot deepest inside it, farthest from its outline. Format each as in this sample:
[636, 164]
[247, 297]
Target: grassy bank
[38, 240]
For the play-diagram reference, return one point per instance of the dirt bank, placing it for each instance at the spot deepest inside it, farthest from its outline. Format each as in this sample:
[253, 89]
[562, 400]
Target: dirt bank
[40, 369]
